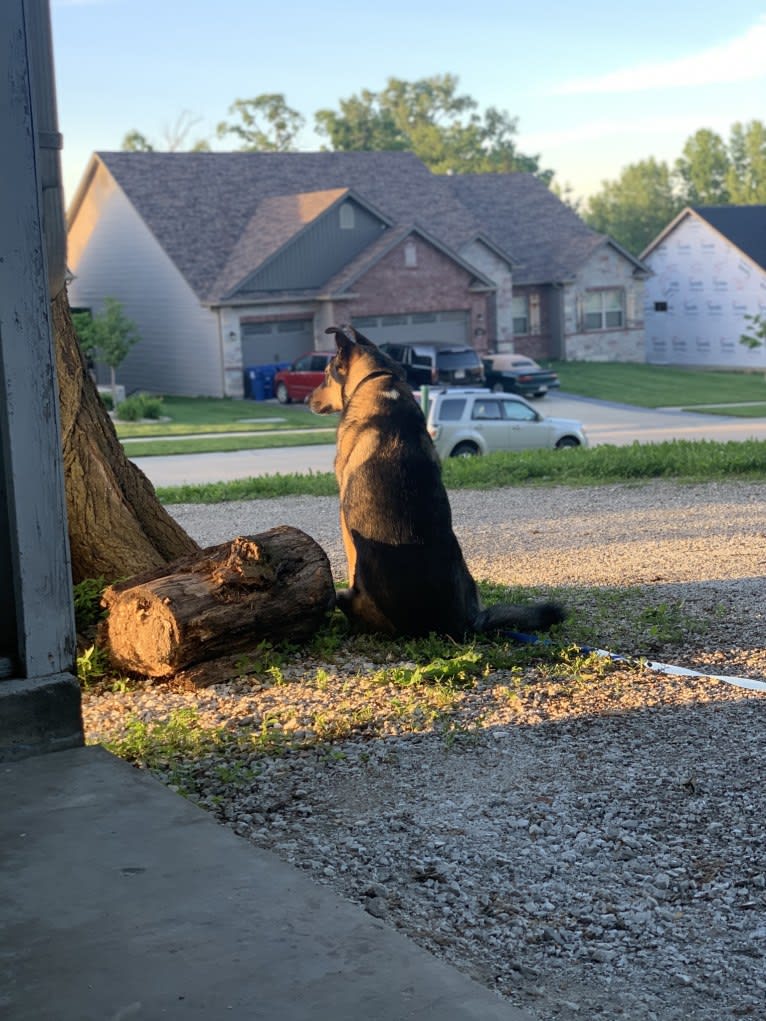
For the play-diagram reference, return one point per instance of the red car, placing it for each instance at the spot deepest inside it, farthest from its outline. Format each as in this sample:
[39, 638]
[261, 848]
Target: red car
[303, 376]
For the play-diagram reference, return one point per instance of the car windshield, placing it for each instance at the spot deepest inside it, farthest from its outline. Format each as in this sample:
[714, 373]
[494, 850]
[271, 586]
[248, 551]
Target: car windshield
[457, 359]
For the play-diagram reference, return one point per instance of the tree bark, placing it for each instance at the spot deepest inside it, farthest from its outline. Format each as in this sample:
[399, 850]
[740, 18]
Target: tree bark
[117, 527]
[223, 601]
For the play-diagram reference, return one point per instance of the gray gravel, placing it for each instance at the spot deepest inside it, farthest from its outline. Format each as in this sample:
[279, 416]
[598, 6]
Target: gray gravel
[586, 858]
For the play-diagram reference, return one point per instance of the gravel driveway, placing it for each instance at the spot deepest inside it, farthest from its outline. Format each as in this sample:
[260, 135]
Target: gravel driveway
[589, 850]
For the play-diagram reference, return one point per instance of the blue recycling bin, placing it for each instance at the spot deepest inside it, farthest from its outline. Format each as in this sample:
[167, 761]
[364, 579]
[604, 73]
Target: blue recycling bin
[268, 372]
[249, 379]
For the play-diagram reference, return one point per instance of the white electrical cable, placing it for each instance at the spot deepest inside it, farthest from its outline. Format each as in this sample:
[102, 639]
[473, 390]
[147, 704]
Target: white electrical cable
[661, 668]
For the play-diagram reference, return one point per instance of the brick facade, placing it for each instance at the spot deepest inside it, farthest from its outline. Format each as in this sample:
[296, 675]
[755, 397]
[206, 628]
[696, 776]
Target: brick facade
[435, 283]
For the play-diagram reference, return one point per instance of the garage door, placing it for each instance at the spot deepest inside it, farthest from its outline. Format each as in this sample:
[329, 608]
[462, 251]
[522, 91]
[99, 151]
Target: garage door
[281, 341]
[449, 327]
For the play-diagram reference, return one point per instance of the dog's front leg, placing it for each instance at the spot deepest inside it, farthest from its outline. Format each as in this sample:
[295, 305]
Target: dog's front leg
[350, 548]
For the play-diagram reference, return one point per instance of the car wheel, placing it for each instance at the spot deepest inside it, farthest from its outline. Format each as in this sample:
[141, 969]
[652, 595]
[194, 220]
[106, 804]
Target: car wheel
[497, 388]
[465, 450]
[282, 395]
[567, 441]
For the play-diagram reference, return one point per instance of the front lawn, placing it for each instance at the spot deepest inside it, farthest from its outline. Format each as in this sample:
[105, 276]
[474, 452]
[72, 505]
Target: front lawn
[190, 415]
[659, 386]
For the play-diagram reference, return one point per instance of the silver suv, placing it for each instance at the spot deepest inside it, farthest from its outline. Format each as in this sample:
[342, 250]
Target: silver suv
[468, 422]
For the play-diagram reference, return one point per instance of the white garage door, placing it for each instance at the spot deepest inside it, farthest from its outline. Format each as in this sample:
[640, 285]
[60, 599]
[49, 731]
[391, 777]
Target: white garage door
[449, 327]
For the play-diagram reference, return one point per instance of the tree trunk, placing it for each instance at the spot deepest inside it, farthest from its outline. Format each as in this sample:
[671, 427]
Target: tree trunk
[117, 527]
[218, 603]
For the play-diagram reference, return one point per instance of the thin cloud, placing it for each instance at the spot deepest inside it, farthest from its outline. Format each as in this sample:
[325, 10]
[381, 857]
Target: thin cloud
[606, 128]
[740, 59]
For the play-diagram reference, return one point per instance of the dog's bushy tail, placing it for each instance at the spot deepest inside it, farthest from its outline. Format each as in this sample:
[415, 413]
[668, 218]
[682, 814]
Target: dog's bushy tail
[534, 617]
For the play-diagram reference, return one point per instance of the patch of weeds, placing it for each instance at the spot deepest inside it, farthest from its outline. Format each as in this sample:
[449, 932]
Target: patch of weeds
[457, 672]
[235, 774]
[276, 675]
[628, 621]
[453, 731]
[322, 680]
[92, 665]
[120, 685]
[665, 623]
[160, 744]
[329, 727]
[265, 659]
[87, 603]
[330, 638]
[577, 667]
[270, 739]
[431, 647]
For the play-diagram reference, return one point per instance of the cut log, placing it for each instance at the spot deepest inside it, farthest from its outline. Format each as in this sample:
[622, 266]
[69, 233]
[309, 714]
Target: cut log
[218, 603]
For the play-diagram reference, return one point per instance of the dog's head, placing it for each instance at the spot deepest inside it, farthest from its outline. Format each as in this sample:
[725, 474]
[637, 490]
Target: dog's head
[355, 359]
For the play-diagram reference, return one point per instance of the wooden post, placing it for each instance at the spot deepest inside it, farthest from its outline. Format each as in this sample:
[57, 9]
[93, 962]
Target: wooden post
[40, 701]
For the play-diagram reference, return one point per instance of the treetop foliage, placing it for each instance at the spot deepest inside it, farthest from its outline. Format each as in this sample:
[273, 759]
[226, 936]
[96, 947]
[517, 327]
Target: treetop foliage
[430, 118]
[637, 206]
[448, 131]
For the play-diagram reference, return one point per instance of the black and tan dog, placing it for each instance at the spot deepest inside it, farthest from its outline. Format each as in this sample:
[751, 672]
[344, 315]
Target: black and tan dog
[406, 570]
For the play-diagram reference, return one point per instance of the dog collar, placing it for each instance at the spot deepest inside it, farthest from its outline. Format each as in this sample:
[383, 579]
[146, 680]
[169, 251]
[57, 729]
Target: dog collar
[377, 374]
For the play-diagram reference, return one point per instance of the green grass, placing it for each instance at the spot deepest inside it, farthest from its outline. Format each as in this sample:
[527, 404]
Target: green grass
[211, 445]
[189, 415]
[737, 410]
[682, 460]
[658, 386]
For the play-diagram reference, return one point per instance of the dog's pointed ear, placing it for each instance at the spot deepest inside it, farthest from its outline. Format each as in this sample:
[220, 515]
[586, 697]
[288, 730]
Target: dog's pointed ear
[352, 335]
[345, 337]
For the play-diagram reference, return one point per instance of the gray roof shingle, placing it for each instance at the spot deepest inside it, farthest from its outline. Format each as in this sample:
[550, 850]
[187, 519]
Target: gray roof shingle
[523, 216]
[201, 206]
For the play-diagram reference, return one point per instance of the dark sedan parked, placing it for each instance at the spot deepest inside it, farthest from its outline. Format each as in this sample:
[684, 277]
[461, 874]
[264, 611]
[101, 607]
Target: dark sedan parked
[517, 374]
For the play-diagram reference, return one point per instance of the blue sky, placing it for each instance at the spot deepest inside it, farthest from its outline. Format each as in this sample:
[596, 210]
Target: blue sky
[595, 85]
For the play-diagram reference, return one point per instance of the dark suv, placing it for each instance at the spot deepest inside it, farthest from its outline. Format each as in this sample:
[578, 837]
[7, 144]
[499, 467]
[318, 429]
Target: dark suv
[437, 364]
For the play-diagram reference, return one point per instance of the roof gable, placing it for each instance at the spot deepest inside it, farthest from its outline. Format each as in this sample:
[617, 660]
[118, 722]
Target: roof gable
[549, 241]
[341, 283]
[744, 226]
[201, 206]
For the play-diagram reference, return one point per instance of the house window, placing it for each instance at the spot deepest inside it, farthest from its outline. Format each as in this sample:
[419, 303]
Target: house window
[660, 306]
[603, 310]
[520, 313]
[410, 255]
[346, 216]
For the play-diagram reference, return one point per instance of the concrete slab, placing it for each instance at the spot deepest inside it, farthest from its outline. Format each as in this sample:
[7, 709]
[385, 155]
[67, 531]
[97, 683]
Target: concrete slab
[121, 900]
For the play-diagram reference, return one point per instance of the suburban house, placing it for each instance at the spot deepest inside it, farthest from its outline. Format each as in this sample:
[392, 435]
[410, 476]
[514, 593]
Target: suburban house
[577, 295]
[227, 261]
[709, 272]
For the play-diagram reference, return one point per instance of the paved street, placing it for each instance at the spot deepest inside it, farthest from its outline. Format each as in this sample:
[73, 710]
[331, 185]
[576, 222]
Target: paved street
[604, 423]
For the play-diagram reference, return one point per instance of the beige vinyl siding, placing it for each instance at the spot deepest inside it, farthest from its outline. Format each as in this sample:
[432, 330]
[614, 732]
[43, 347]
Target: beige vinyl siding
[113, 254]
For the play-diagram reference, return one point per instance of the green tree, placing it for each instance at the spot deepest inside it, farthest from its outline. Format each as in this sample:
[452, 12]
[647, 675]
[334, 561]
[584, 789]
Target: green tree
[265, 123]
[134, 141]
[747, 174]
[106, 337]
[703, 169]
[636, 207]
[430, 118]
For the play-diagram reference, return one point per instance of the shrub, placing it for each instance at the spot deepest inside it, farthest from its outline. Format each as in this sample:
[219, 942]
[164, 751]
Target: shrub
[138, 406]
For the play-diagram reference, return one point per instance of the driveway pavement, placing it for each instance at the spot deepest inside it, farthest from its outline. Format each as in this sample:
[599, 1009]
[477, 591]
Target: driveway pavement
[604, 422]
